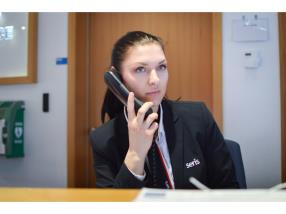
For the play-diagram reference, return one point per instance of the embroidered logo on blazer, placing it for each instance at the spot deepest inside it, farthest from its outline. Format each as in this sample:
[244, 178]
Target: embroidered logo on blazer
[193, 163]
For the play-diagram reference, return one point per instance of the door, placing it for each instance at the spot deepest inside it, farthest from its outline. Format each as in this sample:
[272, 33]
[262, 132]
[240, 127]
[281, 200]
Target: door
[191, 46]
[282, 48]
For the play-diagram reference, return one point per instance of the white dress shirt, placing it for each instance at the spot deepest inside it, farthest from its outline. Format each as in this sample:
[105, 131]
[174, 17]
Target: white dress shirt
[163, 147]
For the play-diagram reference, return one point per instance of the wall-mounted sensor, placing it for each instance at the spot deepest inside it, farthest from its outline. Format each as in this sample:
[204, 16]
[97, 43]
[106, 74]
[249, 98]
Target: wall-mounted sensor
[252, 59]
[46, 104]
[250, 29]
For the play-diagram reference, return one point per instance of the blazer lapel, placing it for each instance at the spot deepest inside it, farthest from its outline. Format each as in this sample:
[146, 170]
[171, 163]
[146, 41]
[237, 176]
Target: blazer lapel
[174, 136]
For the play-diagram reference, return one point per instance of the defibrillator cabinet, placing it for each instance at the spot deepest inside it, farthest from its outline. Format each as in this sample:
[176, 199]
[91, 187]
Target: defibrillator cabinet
[12, 129]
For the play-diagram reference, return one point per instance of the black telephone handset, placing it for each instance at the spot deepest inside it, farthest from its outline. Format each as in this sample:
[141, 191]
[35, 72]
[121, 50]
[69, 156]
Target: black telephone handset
[112, 79]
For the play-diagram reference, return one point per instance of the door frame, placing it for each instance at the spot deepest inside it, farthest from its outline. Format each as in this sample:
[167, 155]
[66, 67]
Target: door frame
[78, 126]
[282, 48]
[78, 133]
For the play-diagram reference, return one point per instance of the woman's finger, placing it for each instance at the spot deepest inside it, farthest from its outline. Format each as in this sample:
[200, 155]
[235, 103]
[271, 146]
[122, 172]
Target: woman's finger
[150, 119]
[150, 132]
[130, 106]
[142, 111]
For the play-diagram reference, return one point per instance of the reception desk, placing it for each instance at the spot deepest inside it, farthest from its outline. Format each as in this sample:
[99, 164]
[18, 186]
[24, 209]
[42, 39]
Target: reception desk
[152, 195]
[66, 194]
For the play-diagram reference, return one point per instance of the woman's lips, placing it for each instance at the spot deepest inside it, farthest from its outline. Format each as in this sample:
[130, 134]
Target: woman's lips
[153, 93]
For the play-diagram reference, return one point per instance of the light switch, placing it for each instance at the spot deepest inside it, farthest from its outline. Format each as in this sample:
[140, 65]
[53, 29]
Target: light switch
[46, 102]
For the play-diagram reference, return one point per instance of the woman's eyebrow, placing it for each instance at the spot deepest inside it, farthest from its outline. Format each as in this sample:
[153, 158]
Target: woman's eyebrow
[143, 63]
[164, 60]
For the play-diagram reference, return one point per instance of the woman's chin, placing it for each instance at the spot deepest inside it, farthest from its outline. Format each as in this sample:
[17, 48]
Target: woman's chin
[156, 101]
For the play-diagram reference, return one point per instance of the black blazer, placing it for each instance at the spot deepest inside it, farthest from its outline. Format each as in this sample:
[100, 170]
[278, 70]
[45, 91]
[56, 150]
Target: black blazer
[191, 133]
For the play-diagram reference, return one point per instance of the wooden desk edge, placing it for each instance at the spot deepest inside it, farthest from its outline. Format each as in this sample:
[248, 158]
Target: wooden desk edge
[67, 194]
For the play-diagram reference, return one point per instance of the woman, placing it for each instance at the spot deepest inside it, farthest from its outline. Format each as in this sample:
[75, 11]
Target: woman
[179, 140]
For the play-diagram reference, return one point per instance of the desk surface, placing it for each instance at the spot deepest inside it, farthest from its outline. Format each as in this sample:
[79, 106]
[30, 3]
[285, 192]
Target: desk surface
[124, 195]
[66, 194]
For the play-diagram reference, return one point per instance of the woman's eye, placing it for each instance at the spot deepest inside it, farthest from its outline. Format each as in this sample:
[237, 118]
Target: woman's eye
[162, 67]
[140, 69]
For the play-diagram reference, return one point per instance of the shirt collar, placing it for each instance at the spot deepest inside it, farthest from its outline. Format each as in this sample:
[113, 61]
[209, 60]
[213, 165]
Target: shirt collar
[161, 126]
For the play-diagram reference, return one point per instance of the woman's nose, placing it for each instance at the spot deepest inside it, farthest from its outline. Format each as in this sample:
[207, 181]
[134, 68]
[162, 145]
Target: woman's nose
[153, 77]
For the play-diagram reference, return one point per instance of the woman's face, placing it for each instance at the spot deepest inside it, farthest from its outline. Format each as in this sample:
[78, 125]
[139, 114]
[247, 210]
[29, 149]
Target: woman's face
[144, 71]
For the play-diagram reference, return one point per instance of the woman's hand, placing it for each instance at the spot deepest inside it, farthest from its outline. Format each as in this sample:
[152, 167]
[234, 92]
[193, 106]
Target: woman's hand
[140, 135]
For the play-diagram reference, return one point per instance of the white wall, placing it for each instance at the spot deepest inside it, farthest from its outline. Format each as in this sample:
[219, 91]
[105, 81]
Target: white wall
[251, 103]
[45, 161]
